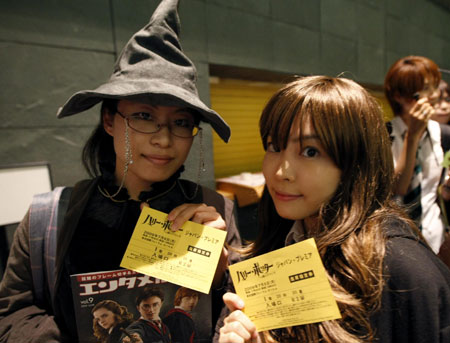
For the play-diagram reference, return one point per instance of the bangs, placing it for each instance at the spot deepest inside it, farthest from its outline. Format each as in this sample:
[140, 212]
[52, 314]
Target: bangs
[320, 102]
[409, 80]
[278, 116]
[342, 114]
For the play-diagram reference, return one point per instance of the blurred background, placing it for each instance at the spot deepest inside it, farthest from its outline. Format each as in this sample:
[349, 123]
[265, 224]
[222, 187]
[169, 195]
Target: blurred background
[243, 49]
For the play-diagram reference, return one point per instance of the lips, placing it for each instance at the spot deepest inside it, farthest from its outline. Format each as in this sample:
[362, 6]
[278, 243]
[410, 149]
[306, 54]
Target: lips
[286, 196]
[158, 159]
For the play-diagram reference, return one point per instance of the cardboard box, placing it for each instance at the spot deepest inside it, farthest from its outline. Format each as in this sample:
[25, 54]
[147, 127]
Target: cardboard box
[226, 194]
[246, 187]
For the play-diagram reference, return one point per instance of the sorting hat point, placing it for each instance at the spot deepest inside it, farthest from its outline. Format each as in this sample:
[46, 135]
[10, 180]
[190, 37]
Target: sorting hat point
[152, 68]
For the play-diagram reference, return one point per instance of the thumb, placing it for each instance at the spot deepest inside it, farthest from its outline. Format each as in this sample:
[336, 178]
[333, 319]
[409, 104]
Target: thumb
[233, 301]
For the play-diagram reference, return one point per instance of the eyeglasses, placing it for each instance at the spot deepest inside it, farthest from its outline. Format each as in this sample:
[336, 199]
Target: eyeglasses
[145, 123]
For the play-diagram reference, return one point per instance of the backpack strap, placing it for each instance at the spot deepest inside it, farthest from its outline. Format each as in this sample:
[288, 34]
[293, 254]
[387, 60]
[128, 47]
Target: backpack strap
[47, 212]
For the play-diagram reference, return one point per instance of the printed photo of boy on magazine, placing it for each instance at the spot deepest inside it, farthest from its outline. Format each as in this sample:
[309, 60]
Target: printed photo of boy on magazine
[123, 306]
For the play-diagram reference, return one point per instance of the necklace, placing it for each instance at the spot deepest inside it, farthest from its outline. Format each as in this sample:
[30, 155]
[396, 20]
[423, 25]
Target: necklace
[161, 194]
[184, 193]
[106, 194]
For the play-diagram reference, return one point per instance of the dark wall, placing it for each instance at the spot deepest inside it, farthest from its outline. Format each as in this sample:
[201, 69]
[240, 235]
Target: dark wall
[49, 49]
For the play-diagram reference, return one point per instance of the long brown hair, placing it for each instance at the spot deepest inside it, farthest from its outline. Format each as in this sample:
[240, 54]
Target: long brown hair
[121, 316]
[351, 241]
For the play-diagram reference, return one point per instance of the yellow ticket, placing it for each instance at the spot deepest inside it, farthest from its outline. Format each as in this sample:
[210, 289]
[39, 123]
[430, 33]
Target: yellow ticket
[187, 257]
[285, 287]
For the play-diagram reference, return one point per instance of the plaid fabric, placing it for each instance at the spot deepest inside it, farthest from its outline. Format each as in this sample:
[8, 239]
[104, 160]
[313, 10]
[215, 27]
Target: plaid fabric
[44, 214]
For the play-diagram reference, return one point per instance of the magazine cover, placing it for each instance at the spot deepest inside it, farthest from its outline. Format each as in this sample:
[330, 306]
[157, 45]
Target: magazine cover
[122, 303]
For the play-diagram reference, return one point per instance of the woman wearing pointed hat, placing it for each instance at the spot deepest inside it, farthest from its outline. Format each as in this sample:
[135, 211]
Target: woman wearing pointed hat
[150, 115]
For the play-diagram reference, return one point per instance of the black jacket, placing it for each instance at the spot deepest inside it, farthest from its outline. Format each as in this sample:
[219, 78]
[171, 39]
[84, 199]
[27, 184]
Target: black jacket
[93, 237]
[415, 304]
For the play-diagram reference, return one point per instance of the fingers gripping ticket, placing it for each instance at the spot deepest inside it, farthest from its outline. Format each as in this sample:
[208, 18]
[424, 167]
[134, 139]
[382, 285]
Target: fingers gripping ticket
[198, 213]
[237, 326]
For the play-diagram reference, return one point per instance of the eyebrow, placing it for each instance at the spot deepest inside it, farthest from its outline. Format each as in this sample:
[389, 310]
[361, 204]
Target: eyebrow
[304, 138]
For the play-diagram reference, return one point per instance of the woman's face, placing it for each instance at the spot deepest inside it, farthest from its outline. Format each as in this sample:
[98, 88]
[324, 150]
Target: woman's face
[442, 109]
[105, 318]
[302, 177]
[156, 156]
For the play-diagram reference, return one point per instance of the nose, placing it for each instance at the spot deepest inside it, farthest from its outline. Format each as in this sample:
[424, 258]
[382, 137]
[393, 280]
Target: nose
[162, 138]
[285, 171]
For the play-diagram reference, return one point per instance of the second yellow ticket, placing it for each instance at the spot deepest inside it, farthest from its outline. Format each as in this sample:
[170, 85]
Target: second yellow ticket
[285, 287]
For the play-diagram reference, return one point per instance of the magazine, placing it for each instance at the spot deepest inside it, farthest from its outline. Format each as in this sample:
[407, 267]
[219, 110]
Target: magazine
[98, 295]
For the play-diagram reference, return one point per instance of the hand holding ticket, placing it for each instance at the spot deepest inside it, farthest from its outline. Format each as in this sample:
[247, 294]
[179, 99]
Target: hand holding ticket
[187, 257]
[285, 287]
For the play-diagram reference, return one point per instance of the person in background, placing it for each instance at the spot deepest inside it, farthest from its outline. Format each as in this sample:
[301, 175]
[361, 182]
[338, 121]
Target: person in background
[329, 175]
[411, 87]
[442, 116]
[149, 118]
[109, 318]
[442, 105]
[444, 202]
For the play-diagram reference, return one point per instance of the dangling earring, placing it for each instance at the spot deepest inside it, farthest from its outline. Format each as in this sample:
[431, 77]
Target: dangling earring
[201, 168]
[128, 161]
[128, 154]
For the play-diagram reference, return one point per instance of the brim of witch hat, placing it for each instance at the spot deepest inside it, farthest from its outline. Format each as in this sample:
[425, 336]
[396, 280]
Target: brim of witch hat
[152, 68]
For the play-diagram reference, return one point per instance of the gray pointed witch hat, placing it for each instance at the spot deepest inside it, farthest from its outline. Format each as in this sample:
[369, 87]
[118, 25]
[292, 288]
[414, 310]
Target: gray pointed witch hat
[152, 68]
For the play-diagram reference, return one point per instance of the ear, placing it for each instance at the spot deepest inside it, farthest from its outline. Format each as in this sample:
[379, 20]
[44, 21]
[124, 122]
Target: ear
[108, 122]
